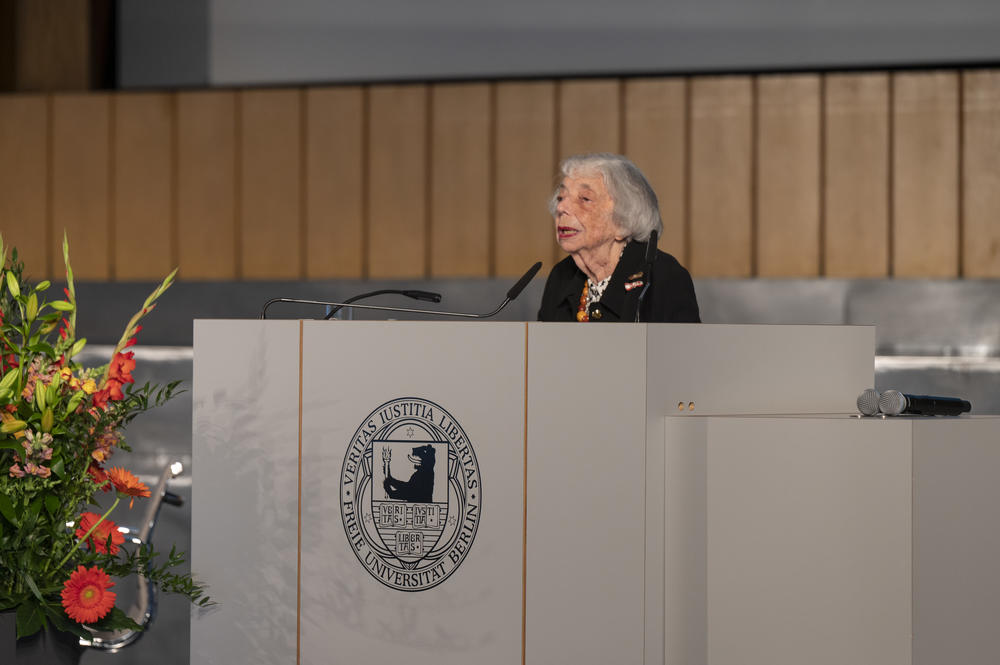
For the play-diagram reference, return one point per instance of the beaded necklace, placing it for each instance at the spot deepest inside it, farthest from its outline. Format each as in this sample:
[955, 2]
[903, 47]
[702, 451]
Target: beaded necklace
[591, 293]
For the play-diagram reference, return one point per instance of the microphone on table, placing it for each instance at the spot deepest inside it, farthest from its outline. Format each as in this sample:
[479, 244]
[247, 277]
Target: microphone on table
[895, 403]
[868, 402]
[512, 293]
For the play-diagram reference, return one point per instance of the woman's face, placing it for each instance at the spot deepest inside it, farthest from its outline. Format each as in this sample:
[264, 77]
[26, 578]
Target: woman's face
[583, 214]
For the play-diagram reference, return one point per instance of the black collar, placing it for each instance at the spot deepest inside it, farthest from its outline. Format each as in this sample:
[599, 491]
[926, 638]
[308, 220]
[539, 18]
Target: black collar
[616, 299]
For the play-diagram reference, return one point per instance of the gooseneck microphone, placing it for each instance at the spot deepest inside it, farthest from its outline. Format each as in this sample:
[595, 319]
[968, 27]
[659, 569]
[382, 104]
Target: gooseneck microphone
[427, 296]
[512, 293]
[647, 270]
[895, 403]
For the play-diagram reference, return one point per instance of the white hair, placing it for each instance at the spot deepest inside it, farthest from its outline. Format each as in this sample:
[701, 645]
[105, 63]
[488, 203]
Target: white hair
[636, 211]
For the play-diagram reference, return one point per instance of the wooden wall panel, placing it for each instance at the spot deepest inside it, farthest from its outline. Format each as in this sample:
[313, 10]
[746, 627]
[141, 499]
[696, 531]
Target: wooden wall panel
[856, 175]
[334, 183]
[788, 176]
[143, 186]
[24, 168]
[721, 159]
[525, 173]
[981, 171]
[655, 126]
[398, 175]
[925, 174]
[589, 119]
[206, 186]
[81, 176]
[460, 180]
[271, 220]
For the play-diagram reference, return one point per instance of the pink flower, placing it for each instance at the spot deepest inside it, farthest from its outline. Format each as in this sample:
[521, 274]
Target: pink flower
[16, 471]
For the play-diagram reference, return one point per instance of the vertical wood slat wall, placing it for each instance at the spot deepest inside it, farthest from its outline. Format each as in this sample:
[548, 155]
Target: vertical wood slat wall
[872, 174]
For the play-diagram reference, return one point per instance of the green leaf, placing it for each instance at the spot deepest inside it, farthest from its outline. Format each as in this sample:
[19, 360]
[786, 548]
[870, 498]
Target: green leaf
[52, 504]
[12, 445]
[58, 466]
[29, 618]
[7, 510]
[34, 587]
[78, 346]
[31, 515]
[62, 306]
[12, 284]
[116, 619]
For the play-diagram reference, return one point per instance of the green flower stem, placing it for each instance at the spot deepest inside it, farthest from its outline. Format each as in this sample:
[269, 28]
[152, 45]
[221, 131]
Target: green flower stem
[87, 535]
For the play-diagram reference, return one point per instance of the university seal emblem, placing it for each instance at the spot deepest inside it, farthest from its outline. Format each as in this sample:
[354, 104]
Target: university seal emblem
[410, 494]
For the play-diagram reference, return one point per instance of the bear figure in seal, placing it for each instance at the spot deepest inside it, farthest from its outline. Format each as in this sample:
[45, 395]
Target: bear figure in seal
[420, 487]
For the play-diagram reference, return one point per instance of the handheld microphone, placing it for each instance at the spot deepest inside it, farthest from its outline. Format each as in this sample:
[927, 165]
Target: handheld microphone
[895, 403]
[427, 296]
[868, 402]
[512, 293]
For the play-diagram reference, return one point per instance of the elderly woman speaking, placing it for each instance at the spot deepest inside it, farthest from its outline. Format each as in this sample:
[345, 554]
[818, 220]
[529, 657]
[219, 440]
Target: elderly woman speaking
[607, 217]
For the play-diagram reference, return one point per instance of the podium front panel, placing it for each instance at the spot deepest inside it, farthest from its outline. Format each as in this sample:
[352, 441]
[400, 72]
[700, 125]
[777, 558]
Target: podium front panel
[395, 569]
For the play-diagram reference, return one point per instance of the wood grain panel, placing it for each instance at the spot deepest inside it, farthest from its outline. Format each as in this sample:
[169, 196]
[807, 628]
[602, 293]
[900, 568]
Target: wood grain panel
[460, 180]
[925, 174]
[206, 185]
[981, 170]
[143, 186]
[525, 171]
[721, 159]
[334, 183]
[81, 182]
[397, 194]
[655, 123]
[271, 229]
[589, 119]
[24, 184]
[856, 175]
[788, 176]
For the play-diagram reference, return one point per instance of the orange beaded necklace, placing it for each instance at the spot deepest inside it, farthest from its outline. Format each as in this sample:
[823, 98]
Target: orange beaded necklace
[581, 314]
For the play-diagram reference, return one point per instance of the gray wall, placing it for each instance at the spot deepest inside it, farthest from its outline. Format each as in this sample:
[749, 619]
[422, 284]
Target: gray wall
[238, 42]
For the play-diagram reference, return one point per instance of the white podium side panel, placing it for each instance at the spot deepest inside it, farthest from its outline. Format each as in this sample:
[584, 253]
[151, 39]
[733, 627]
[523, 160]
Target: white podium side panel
[244, 521]
[757, 369]
[585, 497]
[956, 499]
[809, 541]
[374, 386]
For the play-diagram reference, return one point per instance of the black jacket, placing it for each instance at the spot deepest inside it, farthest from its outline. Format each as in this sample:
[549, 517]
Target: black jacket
[670, 298]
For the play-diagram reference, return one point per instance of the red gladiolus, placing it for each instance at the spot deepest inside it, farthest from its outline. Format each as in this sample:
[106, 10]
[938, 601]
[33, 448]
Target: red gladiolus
[98, 540]
[85, 595]
[121, 367]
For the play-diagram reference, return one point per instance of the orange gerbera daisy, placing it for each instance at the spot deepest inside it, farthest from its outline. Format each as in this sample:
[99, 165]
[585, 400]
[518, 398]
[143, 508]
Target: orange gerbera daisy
[85, 594]
[126, 483]
[98, 540]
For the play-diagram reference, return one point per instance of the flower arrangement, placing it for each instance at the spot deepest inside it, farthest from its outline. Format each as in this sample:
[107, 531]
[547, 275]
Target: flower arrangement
[61, 423]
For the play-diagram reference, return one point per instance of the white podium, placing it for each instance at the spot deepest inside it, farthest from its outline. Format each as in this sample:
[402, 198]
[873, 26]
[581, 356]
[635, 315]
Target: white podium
[429, 492]
[831, 540]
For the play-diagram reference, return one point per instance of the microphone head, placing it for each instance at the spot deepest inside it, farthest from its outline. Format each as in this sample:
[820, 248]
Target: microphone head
[892, 402]
[868, 402]
[426, 296]
[515, 290]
